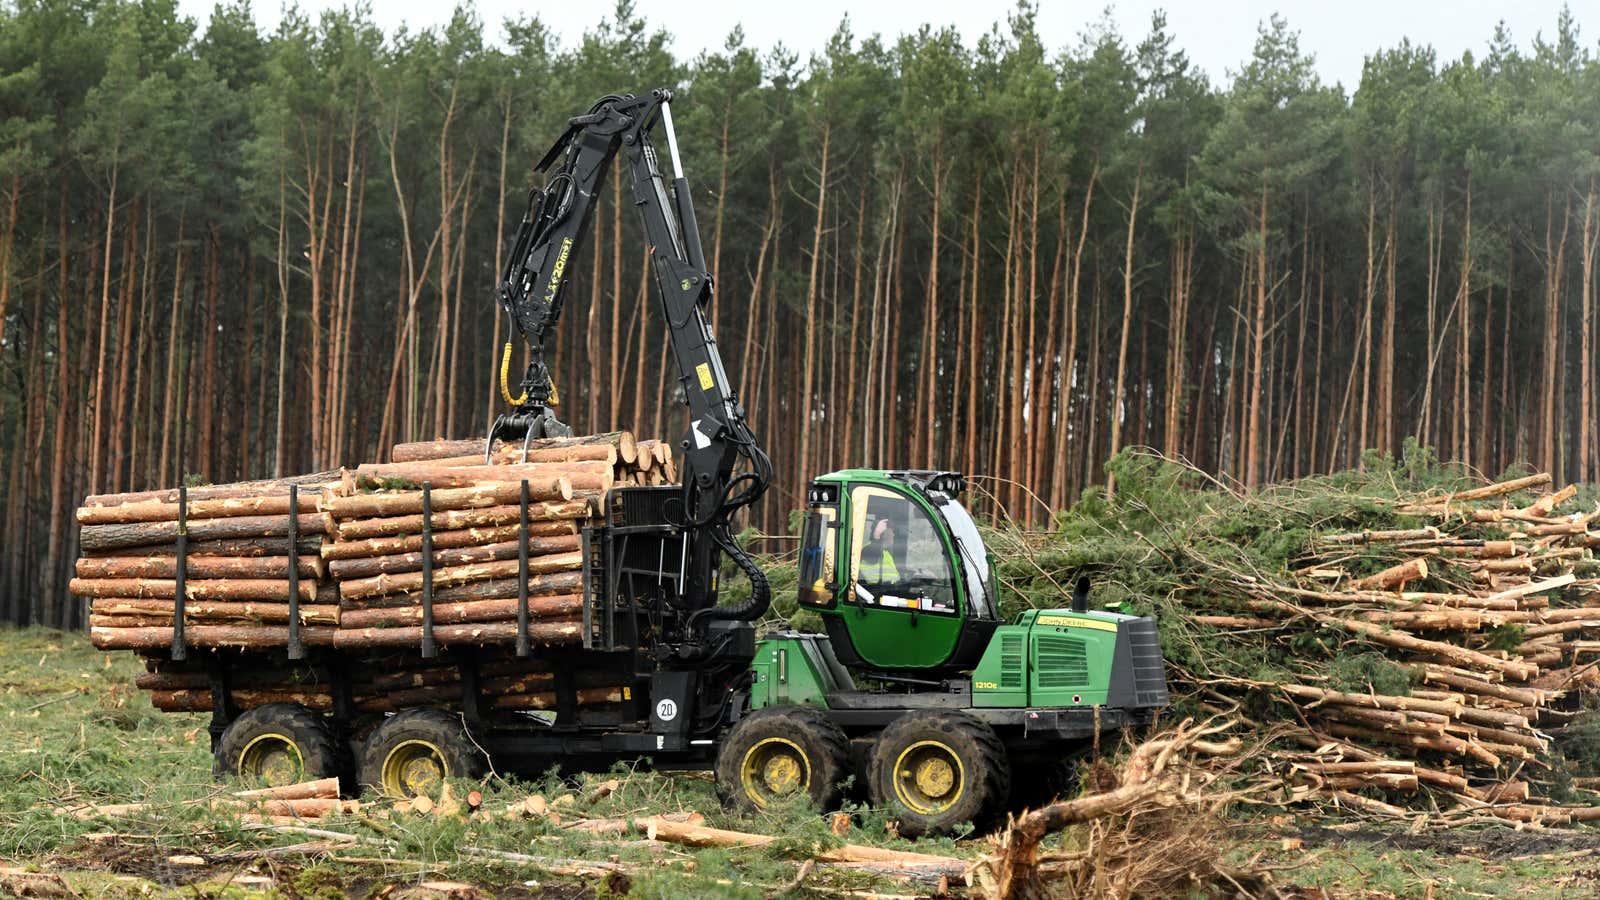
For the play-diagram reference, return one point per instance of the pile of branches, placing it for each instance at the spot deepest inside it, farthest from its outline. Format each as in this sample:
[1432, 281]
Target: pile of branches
[1413, 641]
[1147, 828]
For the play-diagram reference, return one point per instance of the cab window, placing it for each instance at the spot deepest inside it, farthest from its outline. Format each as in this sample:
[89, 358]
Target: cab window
[816, 557]
[897, 558]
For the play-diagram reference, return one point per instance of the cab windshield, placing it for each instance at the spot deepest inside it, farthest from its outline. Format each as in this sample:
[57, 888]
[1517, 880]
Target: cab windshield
[974, 559]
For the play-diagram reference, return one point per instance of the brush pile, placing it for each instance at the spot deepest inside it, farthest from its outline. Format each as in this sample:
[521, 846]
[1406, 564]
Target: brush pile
[1407, 638]
[443, 518]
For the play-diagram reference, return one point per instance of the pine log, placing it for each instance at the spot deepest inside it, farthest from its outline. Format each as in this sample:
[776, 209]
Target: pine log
[1445, 676]
[506, 456]
[1370, 701]
[194, 588]
[251, 677]
[547, 699]
[595, 475]
[1497, 489]
[345, 569]
[691, 834]
[412, 582]
[206, 636]
[135, 534]
[197, 566]
[1393, 577]
[1461, 655]
[623, 441]
[308, 545]
[498, 589]
[1378, 780]
[556, 632]
[322, 788]
[367, 506]
[357, 529]
[157, 511]
[557, 606]
[309, 484]
[1438, 743]
[444, 540]
[210, 612]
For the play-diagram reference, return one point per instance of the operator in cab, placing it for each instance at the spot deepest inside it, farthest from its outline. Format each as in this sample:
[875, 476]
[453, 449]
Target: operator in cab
[877, 557]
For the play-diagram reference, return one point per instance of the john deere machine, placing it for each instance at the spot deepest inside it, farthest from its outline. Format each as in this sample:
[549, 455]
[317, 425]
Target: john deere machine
[916, 686]
[915, 671]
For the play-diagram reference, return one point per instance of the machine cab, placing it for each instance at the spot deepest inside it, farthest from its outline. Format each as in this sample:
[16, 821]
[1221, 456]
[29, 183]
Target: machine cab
[896, 568]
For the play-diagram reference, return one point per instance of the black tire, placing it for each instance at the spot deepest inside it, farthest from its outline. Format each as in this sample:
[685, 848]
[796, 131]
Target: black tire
[938, 770]
[781, 752]
[412, 752]
[277, 744]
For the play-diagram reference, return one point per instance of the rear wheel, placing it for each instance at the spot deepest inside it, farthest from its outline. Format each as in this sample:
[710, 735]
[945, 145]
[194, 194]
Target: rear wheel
[940, 770]
[413, 752]
[783, 753]
[277, 744]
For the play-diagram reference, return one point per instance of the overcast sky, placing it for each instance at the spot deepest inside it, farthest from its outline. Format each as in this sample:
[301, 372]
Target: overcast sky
[1216, 33]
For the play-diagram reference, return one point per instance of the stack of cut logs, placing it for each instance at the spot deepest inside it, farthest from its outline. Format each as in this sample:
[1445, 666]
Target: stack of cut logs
[1490, 610]
[236, 585]
[386, 682]
[359, 540]
[376, 553]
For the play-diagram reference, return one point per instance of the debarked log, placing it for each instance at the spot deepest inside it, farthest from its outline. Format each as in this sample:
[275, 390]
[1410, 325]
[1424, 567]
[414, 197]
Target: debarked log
[568, 632]
[405, 503]
[135, 534]
[197, 566]
[557, 606]
[194, 588]
[412, 562]
[210, 612]
[412, 582]
[448, 520]
[206, 636]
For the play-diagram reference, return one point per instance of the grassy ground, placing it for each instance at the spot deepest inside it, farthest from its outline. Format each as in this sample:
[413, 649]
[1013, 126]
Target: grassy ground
[75, 730]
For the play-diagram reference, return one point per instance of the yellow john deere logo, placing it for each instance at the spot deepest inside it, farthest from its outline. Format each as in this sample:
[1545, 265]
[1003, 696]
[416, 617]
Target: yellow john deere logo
[555, 273]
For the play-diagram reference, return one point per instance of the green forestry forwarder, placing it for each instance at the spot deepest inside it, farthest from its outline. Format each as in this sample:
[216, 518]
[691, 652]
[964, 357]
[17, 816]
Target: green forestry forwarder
[916, 687]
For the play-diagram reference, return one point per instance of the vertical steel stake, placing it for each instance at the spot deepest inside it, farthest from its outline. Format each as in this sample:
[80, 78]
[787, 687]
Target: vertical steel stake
[429, 651]
[180, 650]
[296, 649]
[523, 647]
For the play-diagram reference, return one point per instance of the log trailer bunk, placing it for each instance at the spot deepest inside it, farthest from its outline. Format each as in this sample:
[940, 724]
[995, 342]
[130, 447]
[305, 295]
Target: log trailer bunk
[917, 687]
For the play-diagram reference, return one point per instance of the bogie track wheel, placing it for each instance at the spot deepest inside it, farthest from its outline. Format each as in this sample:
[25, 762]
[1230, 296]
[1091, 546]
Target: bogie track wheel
[413, 752]
[938, 770]
[275, 745]
[780, 754]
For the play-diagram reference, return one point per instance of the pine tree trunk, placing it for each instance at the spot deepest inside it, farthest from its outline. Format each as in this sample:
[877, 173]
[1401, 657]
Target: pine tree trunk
[1118, 395]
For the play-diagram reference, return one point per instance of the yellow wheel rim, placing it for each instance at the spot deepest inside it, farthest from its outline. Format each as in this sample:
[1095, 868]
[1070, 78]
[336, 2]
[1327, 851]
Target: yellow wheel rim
[928, 778]
[413, 768]
[774, 769]
[273, 759]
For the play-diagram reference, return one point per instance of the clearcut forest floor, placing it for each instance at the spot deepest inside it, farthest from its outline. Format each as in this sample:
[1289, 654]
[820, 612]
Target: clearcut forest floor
[75, 730]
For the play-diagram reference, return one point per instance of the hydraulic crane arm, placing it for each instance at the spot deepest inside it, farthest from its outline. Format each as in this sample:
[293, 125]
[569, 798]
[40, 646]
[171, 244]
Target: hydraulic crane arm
[718, 440]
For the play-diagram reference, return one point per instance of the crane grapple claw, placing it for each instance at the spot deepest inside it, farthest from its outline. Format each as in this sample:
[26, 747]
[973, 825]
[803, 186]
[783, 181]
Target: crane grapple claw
[525, 426]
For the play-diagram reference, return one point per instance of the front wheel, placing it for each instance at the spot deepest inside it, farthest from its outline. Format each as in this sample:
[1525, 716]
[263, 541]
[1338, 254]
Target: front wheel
[783, 753]
[939, 769]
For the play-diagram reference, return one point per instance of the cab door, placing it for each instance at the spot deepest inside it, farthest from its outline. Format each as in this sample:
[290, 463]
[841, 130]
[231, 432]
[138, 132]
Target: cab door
[901, 602]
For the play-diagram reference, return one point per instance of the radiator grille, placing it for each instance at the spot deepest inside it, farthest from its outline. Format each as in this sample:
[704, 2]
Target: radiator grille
[1063, 661]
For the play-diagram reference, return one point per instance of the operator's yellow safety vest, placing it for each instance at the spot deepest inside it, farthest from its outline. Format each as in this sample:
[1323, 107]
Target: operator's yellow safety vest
[882, 571]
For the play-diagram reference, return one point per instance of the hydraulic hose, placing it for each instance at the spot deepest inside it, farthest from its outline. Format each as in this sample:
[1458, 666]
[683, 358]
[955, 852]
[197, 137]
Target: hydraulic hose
[760, 589]
[505, 380]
